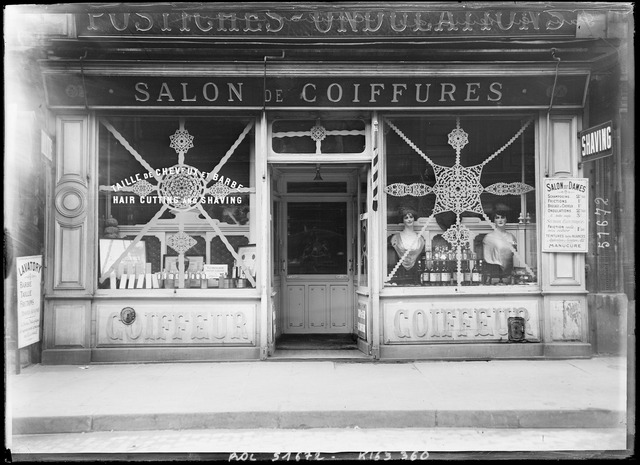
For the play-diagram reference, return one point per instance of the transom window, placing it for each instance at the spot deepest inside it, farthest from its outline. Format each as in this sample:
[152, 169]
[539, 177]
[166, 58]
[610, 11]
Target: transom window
[318, 136]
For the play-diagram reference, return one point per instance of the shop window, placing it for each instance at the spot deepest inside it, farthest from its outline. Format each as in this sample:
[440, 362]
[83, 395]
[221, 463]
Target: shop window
[318, 136]
[461, 203]
[175, 199]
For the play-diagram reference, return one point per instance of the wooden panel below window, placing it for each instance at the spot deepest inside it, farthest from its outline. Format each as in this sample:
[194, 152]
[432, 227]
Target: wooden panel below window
[317, 306]
[70, 325]
[338, 305]
[295, 296]
[69, 259]
[71, 148]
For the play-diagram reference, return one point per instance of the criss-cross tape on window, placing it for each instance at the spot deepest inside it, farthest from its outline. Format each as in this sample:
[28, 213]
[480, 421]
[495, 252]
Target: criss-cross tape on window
[182, 181]
[457, 188]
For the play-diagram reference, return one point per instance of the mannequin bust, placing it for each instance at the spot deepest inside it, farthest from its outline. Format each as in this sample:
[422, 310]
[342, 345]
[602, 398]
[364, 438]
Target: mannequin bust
[499, 246]
[407, 242]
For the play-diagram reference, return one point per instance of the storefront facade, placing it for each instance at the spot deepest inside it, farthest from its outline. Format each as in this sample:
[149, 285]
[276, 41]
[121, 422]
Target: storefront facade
[223, 176]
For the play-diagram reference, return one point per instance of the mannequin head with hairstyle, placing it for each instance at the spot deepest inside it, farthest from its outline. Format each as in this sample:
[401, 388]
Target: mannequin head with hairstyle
[499, 245]
[407, 243]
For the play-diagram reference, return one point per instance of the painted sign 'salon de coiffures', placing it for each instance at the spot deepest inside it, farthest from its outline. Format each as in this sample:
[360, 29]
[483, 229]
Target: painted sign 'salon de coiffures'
[77, 90]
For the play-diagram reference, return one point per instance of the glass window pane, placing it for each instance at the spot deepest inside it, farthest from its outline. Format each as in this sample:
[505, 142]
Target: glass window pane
[461, 173]
[318, 136]
[157, 174]
[316, 239]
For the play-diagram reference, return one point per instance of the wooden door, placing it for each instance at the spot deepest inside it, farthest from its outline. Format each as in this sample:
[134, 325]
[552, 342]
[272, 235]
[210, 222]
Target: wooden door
[318, 265]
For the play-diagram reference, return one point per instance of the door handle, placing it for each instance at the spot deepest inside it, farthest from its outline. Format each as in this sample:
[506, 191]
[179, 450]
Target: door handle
[284, 267]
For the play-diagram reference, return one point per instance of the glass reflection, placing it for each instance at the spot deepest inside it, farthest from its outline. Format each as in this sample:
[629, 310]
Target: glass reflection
[317, 234]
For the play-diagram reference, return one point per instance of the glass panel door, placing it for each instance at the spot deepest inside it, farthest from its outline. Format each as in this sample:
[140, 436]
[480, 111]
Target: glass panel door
[317, 282]
[317, 238]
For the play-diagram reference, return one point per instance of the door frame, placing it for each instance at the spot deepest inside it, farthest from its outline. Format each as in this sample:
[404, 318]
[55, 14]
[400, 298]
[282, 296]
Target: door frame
[301, 173]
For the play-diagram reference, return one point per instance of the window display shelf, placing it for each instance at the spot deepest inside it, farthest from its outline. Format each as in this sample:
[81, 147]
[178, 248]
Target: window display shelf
[406, 291]
[116, 294]
[158, 260]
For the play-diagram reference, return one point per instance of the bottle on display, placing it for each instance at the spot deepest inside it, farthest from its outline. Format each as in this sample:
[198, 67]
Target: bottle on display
[234, 271]
[445, 273]
[434, 277]
[425, 277]
[435, 273]
[454, 273]
[476, 273]
[434, 266]
[427, 256]
[418, 276]
[453, 266]
[466, 273]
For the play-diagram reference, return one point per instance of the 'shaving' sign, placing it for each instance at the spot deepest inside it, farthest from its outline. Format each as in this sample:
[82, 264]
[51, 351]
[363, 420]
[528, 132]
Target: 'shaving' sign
[596, 142]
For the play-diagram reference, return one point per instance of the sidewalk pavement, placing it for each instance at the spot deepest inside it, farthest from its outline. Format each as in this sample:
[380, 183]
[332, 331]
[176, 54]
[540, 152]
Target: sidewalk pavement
[325, 444]
[581, 393]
